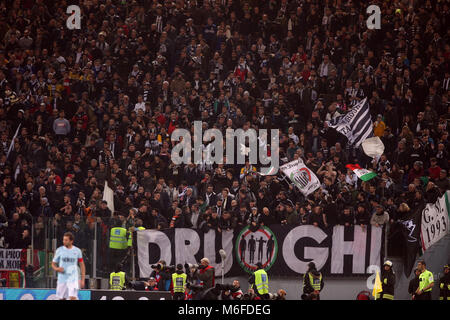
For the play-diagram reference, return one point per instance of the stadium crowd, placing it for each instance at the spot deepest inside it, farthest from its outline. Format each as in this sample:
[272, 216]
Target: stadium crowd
[100, 103]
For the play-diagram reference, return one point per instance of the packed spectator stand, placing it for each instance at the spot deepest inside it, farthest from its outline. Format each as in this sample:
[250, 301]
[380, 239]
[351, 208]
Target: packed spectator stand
[100, 103]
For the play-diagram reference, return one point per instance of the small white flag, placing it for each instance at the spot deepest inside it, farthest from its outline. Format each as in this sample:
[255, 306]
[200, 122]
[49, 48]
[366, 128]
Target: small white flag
[108, 196]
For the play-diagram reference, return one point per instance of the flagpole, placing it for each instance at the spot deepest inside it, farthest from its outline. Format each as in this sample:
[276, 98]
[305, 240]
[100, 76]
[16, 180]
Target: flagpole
[12, 141]
[285, 179]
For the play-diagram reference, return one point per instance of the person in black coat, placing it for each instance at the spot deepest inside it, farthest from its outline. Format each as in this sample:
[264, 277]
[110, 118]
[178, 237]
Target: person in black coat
[158, 219]
[347, 218]
[178, 219]
[254, 220]
[330, 212]
[44, 209]
[316, 218]
[444, 284]
[267, 218]
[414, 284]
[39, 156]
[362, 217]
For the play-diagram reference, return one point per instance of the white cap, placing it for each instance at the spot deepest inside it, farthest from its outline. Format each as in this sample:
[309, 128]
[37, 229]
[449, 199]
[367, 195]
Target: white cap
[388, 263]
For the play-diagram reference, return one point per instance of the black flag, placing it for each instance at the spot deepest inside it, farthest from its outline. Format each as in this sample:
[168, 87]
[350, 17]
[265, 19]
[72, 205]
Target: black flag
[410, 230]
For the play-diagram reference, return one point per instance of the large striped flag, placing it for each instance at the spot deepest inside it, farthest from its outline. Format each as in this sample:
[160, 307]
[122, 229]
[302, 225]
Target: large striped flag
[363, 174]
[356, 124]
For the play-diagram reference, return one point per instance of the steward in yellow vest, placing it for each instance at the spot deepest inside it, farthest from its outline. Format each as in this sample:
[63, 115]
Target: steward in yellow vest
[260, 282]
[117, 279]
[426, 282]
[179, 283]
[118, 238]
[130, 235]
[312, 283]
[118, 245]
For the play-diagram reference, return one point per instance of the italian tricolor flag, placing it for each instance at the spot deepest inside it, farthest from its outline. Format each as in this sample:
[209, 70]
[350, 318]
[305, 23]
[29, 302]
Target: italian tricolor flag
[363, 174]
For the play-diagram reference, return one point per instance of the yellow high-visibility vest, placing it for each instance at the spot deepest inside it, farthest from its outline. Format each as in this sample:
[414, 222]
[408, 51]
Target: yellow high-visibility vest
[425, 279]
[117, 280]
[261, 281]
[179, 282]
[315, 282]
[130, 236]
[118, 238]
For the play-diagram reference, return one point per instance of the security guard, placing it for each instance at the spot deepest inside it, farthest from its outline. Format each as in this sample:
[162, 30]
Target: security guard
[312, 282]
[444, 284]
[426, 282]
[179, 283]
[130, 235]
[117, 279]
[387, 282]
[117, 244]
[260, 282]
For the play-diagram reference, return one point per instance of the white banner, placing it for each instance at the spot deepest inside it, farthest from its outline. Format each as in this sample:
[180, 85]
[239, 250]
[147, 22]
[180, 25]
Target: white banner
[108, 196]
[285, 250]
[435, 221]
[181, 245]
[305, 180]
[10, 259]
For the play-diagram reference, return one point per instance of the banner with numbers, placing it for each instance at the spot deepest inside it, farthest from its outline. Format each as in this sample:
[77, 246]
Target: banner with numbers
[435, 221]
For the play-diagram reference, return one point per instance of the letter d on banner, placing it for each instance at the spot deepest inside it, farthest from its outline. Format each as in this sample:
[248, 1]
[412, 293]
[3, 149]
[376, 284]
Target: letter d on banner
[158, 238]
[74, 21]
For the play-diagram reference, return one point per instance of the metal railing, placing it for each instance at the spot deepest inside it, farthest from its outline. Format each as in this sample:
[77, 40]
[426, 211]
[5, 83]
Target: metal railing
[91, 235]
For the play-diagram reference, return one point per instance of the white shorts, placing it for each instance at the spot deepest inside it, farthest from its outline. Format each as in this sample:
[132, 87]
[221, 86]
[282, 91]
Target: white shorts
[67, 289]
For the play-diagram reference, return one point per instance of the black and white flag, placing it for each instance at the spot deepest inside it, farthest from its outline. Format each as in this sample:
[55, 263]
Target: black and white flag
[301, 176]
[410, 227]
[356, 124]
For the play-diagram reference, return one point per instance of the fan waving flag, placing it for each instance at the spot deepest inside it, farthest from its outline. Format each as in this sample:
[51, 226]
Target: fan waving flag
[363, 174]
[356, 124]
[301, 176]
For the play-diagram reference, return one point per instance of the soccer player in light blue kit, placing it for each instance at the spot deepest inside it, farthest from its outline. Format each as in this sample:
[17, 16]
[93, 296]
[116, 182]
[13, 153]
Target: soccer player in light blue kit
[65, 262]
